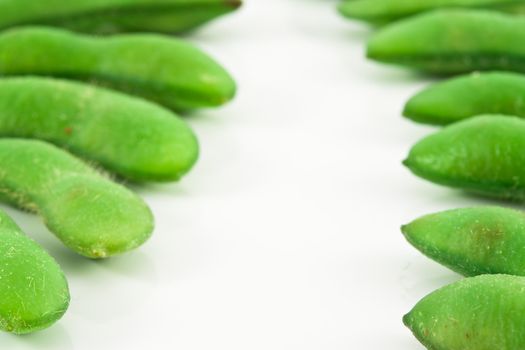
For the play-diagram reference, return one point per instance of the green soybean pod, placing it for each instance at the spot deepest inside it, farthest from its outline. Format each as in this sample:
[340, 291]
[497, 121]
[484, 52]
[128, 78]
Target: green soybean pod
[452, 42]
[472, 241]
[467, 96]
[113, 16]
[131, 137]
[482, 155]
[33, 290]
[90, 214]
[486, 312]
[166, 70]
[385, 11]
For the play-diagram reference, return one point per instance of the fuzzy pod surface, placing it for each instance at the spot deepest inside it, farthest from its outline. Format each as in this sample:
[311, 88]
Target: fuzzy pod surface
[486, 312]
[34, 293]
[113, 16]
[452, 42]
[385, 11]
[468, 96]
[472, 241]
[131, 137]
[90, 214]
[483, 155]
[163, 69]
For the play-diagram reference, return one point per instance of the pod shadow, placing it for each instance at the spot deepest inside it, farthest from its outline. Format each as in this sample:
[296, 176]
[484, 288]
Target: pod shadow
[481, 200]
[52, 338]
[135, 264]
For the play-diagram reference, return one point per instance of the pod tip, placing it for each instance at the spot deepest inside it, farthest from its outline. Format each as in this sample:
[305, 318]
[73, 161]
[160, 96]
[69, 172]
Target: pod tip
[406, 320]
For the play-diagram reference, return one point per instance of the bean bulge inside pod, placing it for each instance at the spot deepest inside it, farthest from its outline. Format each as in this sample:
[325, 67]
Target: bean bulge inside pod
[483, 155]
[163, 69]
[90, 214]
[34, 293]
[113, 16]
[486, 312]
[472, 241]
[452, 42]
[131, 137]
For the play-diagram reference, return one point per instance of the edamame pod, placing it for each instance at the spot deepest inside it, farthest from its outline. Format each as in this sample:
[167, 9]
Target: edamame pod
[89, 213]
[453, 41]
[480, 313]
[483, 155]
[33, 290]
[467, 96]
[166, 70]
[472, 241]
[129, 136]
[384, 11]
[112, 16]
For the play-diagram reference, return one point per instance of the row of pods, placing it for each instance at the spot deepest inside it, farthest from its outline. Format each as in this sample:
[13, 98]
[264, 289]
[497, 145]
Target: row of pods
[477, 47]
[91, 96]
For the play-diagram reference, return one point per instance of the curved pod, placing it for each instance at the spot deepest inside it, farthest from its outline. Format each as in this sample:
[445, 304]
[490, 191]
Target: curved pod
[384, 11]
[483, 155]
[479, 313]
[166, 70]
[129, 136]
[472, 241]
[33, 291]
[113, 16]
[90, 214]
[468, 96]
[452, 42]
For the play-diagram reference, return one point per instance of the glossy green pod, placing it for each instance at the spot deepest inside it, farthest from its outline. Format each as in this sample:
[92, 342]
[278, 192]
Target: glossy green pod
[90, 214]
[468, 96]
[33, 290]
[166, 70]
[129, 136]
[113, 16]
[453, 41]
[472, 241]
[385, 11]
[483, 155]
[479, 313]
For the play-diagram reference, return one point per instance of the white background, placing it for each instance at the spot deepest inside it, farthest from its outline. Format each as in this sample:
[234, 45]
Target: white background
[286, 234]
